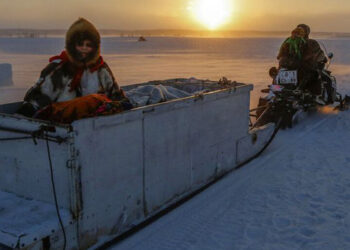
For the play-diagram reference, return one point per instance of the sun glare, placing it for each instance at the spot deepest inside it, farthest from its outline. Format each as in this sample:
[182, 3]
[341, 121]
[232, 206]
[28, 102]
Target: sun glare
[211, 13]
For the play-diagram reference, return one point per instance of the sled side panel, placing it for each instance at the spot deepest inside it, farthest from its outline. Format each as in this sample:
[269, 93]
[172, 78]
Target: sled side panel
[24, 165]
[111, 164]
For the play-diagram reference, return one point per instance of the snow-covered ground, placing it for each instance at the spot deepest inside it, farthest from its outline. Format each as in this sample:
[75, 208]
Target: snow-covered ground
[295, 196]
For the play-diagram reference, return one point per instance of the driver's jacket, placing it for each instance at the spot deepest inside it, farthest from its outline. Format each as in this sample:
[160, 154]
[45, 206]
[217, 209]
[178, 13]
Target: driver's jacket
[313, 57]
[312, 60]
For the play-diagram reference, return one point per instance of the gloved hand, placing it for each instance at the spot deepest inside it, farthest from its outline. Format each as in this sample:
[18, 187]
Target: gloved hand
[126, 105]
[27, 109]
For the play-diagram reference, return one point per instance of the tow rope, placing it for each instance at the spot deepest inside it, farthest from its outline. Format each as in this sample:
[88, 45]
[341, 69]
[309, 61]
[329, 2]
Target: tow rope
[277, 128]
[54, 192]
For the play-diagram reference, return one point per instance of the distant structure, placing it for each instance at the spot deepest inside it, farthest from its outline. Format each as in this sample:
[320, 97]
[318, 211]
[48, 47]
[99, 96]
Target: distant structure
[5, 74]
[142, 39]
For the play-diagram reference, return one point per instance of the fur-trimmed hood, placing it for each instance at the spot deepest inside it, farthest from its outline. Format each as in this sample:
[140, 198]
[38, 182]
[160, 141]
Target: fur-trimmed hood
[80, 30]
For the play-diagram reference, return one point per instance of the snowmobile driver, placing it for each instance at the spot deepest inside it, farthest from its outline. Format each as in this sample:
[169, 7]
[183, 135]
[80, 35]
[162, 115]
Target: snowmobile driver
[79, 71]
[299, 52]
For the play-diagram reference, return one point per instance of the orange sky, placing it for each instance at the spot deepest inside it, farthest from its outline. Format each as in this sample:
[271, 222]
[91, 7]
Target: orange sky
[322, 15]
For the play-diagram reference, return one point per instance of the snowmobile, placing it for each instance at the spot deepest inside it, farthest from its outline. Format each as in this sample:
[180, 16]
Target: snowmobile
[286, 98]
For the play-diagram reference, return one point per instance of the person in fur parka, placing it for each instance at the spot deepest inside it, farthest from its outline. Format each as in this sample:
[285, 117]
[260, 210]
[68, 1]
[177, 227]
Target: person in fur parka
[78, 71]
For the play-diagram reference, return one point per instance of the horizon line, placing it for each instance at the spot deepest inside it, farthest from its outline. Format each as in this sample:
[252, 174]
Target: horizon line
[165, 29]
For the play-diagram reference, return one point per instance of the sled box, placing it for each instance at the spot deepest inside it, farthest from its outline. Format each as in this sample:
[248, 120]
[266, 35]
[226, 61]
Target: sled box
[113, 172]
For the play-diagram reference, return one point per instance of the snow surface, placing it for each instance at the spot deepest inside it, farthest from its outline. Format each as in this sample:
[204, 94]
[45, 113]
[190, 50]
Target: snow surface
[295, 196]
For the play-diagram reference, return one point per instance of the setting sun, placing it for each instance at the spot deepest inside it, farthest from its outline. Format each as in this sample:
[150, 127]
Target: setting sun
[211, 13]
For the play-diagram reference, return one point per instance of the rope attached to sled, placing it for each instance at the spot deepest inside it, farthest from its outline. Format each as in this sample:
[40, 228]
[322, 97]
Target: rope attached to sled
[54, 193]
[277, 128]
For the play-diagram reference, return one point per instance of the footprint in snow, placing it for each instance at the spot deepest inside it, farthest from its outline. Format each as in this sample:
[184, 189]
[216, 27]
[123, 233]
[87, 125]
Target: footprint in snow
[315, 205]
[339, 216]
[303, 197]
[346, 197]
[307, 232]
[309, 220]
[330, 208]
[338, 189]
[256, 234]
[281, 222]
[317, 199]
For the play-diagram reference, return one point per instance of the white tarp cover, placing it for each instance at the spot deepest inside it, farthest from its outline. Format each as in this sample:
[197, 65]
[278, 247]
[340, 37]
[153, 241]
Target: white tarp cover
[161, 91]
[152, 94]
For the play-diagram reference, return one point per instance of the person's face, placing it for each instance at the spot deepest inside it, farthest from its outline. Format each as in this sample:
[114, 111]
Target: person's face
[84, 48]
